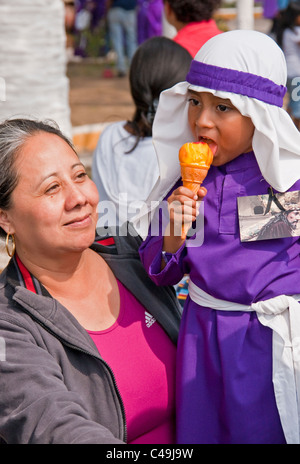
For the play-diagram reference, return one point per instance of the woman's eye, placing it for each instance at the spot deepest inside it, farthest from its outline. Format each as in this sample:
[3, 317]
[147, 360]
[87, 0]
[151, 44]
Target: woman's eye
[81, 175]
[52, 188]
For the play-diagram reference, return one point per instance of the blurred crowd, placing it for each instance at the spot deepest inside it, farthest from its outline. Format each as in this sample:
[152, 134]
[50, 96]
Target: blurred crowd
[115, 28]
[99, 27]
[285, 30]
[88, 21]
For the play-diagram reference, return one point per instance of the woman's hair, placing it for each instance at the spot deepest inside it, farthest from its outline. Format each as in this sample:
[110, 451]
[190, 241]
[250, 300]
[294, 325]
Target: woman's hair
[13, 135]
[287, 20]
[188, 11]
[158, 64]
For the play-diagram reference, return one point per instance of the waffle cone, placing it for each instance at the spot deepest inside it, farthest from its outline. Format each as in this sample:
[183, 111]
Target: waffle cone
[194, 186]
[185, 228]
[195, 159]
[192, 178]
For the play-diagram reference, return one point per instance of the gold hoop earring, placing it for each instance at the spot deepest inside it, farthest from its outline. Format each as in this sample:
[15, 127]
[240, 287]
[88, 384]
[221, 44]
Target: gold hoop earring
[13, 245]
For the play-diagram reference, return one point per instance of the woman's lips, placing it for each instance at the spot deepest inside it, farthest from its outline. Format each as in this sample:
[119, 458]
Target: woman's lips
[79, 221]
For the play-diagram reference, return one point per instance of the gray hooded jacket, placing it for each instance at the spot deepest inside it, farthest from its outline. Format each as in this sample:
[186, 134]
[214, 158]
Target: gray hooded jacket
[55, 387]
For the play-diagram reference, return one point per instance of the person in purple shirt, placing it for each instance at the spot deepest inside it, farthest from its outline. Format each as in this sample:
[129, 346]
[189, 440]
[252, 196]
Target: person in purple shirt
[238, 362]
[149, 19]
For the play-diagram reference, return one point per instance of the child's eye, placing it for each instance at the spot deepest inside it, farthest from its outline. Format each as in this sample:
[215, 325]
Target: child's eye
[193, 101]
[223, 108]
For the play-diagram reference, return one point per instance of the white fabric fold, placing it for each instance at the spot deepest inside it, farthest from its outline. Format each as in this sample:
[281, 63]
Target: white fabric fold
[282, 315]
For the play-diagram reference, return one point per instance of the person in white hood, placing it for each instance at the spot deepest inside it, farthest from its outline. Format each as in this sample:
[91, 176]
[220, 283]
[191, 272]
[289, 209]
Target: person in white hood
[238, 369]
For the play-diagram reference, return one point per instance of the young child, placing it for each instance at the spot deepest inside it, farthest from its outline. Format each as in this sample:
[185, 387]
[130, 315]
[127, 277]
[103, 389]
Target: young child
[237, 379]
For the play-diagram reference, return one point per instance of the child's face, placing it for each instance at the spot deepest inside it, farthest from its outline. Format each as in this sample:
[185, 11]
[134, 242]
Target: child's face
[216, 121]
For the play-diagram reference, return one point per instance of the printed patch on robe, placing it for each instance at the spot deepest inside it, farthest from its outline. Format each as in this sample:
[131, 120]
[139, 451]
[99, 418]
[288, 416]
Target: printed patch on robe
[269, 216]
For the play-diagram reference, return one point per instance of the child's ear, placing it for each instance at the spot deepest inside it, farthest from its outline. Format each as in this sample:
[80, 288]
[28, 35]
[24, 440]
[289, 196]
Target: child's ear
[5, 222]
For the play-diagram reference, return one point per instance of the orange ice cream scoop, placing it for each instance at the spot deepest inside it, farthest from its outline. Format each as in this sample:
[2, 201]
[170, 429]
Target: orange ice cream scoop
[195, 159]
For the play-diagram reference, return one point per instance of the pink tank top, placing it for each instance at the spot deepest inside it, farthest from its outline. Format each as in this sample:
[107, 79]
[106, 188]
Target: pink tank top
[142, 358]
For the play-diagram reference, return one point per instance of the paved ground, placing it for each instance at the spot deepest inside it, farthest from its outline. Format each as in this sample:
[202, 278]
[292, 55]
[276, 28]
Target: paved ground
[95, 99]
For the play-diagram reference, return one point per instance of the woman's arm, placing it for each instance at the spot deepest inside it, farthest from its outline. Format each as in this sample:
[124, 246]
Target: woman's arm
[36, 406]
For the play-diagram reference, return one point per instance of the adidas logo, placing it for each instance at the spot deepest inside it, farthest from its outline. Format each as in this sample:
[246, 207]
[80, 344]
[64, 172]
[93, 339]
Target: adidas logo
[149, 319]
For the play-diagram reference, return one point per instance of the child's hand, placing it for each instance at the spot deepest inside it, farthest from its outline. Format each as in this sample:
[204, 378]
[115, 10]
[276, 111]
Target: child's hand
[183, 207]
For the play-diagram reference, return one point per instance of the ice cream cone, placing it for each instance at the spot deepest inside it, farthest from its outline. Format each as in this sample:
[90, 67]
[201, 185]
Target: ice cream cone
[192, 178]
[195, 160]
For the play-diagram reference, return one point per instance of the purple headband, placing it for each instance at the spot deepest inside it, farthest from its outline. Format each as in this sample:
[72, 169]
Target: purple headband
[230, 80]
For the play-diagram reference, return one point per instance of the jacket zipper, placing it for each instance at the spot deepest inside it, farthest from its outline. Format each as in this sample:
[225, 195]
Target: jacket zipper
[74, 347]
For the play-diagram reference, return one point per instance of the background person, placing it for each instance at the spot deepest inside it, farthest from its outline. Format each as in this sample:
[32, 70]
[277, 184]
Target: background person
[149, 19]
[288, 37]
[193, 20]
[122, 23]
[124, 165]
[89, 341]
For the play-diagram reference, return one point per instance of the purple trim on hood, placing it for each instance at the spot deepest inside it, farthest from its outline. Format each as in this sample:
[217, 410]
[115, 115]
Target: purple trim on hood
[230, 80]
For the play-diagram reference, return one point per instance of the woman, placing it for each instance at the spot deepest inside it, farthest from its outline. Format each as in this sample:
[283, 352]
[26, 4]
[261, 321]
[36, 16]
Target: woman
[65, 296]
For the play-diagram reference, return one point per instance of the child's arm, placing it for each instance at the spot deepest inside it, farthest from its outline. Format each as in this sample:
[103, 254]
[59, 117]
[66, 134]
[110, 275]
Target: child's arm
[168, 269]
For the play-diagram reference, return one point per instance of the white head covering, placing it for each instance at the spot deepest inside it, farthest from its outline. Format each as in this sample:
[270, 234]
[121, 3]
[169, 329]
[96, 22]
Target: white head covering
[276, 141]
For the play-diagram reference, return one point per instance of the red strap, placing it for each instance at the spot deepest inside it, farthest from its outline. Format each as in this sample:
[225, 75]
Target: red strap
[26, 276]
[106, 241]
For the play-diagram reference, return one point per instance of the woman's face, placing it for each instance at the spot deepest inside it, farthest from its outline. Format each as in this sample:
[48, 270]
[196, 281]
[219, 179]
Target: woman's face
[216, 121]
[54, 205]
